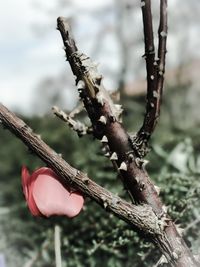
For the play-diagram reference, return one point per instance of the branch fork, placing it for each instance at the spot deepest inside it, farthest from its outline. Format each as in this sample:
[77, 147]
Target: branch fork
[147, 214]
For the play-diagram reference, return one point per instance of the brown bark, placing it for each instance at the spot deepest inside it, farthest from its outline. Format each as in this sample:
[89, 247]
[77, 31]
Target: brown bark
[147, 215]
[106, 125]
[141, 217]
[155, 67]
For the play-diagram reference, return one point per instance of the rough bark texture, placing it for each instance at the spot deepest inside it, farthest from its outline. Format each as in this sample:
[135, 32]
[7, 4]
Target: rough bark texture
[155, 67]
[141, 217]
[107, 127]
[147, 214]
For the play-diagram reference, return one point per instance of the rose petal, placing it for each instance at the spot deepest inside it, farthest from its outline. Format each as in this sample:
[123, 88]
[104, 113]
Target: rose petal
[25, 180]
[52, 198]
[31, 202]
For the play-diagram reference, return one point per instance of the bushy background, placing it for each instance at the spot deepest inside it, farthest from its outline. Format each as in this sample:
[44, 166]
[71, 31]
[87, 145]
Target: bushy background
[96, 237]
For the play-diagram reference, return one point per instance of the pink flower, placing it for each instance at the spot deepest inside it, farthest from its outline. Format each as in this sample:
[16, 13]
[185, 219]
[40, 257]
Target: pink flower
[46, 196]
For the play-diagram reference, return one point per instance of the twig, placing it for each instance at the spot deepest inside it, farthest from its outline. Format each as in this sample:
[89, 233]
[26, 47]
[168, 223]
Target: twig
[155, 74]
[80, 128]
[57, 246]
[76, 110]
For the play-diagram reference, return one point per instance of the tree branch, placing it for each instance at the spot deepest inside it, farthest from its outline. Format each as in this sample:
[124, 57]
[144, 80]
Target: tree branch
[104, 116]
[155, 73]
[141, 217]
[79, 127]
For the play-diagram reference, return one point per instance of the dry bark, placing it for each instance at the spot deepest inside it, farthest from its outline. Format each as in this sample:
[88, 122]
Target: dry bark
[147, 214]
[107, 127]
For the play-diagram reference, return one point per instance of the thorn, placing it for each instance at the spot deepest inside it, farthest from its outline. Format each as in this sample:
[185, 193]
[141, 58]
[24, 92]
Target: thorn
[99, 79]
[104, 139]
[155, 94]
[175, 255]
[113, 118]
[162, 260]
[167, 219]
[164, 208]
[137, 179]
[119, 108]
[152, 104]
[138, 162]
[114, 156]
[115, 200]
[144, 163]
[142, 4]
[157, 188]
[107, 155]
[142, 186]
[103, 119]
[86, 180]
[100, 99]
[130, 157]
[163, 224]
[81, 85]
[163, 34]
[105, 204]
[179, 229]
[123, 166]
[38, 136]
[129, 213]
[104, 149]
[152, 77]
[118, 111]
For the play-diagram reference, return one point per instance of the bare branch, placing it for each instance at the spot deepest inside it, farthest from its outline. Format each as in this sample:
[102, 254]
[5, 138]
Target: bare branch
[76, 110]
[141, 217]
[162, 37]
[155, 73]
[104, 116]
[79, 127]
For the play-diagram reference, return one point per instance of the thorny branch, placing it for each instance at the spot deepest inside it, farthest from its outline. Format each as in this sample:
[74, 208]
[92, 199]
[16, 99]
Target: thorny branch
[155, 73]
[147, 215]
[77, 126]
[105, 118]
[141, 217]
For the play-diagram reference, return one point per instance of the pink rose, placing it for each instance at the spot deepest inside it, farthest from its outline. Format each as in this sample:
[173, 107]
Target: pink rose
[46, 196]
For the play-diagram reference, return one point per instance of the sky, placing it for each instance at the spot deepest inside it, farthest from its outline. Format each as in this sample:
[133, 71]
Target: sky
[27, 57]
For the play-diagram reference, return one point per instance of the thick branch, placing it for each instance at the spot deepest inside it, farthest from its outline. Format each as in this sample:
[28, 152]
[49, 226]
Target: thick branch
[141, 217]
[105, 121]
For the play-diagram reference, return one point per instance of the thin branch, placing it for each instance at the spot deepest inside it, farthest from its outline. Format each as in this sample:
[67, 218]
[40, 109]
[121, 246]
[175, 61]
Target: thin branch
[76, 110]
[155, 73]
[104, 116]
[79, 127]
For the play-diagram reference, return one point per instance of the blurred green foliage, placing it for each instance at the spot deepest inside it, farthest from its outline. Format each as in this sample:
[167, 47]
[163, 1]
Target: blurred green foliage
[95, 237]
